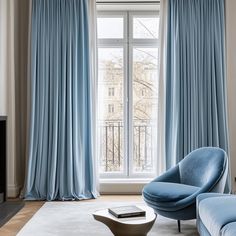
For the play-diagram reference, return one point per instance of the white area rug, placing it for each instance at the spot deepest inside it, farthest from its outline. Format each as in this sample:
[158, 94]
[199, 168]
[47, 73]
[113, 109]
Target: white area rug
[75, 218]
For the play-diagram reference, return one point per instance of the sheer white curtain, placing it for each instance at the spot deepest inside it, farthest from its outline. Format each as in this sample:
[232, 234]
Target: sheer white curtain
[92, 11]
[161, 163]
[231, 82]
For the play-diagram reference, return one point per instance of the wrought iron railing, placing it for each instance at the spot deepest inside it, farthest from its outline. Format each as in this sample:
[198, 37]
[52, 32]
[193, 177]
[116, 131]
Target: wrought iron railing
[112, 146]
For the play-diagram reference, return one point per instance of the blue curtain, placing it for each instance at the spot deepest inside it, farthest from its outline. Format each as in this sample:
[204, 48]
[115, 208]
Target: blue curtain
[196, 113]
[60, 160]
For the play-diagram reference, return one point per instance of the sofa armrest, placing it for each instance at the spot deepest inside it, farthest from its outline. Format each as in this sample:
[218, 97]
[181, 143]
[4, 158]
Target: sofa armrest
[203, 196]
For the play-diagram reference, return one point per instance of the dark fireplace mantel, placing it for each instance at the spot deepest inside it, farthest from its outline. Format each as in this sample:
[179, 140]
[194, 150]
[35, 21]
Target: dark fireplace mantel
[7, 208]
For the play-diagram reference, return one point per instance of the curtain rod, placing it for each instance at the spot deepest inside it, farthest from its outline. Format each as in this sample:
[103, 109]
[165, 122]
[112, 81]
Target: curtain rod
[128, 2]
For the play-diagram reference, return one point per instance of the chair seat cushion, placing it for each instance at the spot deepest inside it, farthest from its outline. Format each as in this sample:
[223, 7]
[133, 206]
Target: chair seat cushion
[167, 192]
[217, 212]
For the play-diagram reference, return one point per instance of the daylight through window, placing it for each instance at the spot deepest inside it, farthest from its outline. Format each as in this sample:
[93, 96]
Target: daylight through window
[128, 93]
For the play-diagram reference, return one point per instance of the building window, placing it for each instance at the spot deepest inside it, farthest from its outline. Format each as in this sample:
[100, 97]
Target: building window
[111, 92]
[128, 69]
[111, 108]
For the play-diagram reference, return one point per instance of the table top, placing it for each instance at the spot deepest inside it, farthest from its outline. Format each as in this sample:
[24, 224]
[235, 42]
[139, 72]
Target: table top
[150, 216]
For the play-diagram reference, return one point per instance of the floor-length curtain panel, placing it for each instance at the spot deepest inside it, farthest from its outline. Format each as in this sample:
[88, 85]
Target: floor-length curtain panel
[93, 59]
[161, 162]
[196, 113]
[61, 135]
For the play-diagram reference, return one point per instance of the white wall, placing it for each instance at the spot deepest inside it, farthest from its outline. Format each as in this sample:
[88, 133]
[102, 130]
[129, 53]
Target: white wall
[231, 80]
[7, 87]
[3, 61]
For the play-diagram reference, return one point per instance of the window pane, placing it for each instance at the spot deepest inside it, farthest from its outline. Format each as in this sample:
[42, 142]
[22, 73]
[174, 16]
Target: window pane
[145, 27]
[110, 113]
[110, 27]
[145, 95]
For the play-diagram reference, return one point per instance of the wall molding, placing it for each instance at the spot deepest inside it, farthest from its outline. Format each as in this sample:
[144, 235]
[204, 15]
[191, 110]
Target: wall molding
[13, 191]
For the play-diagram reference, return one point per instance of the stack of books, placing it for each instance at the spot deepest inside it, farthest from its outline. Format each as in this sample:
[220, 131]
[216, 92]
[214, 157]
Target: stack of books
[126, 211]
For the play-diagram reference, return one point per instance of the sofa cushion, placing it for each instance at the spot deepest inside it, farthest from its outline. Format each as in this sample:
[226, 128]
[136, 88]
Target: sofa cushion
[229, 229]
[167, 192]
[217, 212]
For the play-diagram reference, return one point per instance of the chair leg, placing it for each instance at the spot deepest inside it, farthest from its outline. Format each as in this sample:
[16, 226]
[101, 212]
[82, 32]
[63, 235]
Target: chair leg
[179, 226]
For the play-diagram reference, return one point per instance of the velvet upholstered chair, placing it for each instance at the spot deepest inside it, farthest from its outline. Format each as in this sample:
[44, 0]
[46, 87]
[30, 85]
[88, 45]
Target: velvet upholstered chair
[174, 193]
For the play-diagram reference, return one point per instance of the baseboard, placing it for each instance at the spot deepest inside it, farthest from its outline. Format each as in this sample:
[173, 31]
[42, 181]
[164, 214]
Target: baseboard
[13, 191]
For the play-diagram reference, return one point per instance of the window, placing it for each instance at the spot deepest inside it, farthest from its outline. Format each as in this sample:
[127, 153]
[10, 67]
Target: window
[128, 64]
[111, 92]
[145, 27]
[111, 108]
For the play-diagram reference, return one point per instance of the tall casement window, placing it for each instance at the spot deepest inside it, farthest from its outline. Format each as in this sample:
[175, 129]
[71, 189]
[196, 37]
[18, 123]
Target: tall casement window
[128, 93]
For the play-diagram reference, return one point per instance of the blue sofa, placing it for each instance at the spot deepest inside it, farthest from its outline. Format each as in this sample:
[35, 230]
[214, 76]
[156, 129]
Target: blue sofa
[216, 214]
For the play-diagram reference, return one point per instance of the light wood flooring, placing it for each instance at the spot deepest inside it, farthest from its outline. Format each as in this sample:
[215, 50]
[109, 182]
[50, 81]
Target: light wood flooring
[31, 207]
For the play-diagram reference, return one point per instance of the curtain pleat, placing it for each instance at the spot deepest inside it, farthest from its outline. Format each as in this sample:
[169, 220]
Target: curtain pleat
[61, 138]
[196, 112]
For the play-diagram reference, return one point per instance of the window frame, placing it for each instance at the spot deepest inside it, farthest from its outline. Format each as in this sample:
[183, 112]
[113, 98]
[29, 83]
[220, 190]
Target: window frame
[127, 43]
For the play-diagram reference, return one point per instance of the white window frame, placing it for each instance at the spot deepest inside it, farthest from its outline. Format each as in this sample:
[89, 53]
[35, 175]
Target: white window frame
[127, 43]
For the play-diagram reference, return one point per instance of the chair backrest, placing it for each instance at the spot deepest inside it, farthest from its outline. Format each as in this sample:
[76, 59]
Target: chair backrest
[202, 166]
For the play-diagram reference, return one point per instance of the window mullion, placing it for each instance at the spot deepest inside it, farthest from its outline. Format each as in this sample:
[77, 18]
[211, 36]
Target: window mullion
[126, 92]
[130, 95]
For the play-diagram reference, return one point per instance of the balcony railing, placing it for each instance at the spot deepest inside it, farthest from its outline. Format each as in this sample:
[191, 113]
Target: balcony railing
[112, 146]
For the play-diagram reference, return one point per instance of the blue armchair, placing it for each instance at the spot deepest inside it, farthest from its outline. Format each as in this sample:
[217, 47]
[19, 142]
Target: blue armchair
[174, 193]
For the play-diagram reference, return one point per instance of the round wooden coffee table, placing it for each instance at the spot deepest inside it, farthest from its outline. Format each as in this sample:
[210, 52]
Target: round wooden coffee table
[135, 226]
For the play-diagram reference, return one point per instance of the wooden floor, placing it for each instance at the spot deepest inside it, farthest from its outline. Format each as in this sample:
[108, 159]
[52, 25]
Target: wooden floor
[31, 207]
